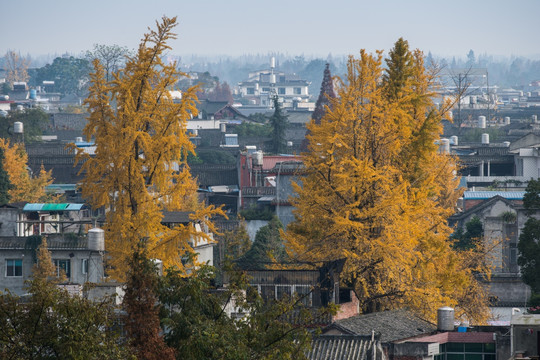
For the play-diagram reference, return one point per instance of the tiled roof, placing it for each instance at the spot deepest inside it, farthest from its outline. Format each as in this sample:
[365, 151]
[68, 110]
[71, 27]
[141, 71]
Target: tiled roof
[345, 347]
[270, 162]
[215, 174]
[299, 117]
[54, 242]
[69, 121]
[178, 217]
[391, 325]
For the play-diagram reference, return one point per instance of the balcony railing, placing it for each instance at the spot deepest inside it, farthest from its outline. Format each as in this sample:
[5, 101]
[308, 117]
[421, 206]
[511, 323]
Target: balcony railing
[258, 191]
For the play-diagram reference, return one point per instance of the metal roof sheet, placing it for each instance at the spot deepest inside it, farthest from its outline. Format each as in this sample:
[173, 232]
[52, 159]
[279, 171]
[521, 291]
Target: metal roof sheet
[74, 207]
[513, 195]
[52, 207]
[32, 207]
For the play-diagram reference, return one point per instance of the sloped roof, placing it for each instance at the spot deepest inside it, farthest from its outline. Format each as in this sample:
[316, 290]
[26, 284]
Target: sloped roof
[215, 174]
[481, 206]
[510, 195]
[345, 347]
[392, 325]
[299, 117]
[52, 207]
[54, 242]
[178, 217]
[270, 161]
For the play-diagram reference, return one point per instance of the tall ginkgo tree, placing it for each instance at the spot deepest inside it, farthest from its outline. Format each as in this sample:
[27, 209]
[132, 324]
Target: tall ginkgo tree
[377, 192]
[140, 168]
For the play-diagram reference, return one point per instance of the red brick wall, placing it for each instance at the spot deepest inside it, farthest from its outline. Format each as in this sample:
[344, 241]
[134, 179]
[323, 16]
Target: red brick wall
[346, 310]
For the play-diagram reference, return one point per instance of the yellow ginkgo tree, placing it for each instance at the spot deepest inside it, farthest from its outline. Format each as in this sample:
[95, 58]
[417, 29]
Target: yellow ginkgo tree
[140, 168]
[26, 187]
[377, 192]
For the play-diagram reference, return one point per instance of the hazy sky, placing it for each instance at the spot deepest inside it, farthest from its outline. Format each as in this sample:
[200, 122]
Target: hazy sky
[314, 27]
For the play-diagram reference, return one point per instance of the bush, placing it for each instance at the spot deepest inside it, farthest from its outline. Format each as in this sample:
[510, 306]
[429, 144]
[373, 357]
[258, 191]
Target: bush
[256, 213]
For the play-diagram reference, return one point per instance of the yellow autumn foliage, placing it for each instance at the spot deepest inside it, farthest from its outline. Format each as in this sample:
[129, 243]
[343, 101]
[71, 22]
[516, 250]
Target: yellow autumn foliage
[377, 192]
[140, 164]
[25, 186]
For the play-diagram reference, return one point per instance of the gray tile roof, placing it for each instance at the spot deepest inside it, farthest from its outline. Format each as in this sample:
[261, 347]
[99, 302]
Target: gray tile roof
[176, 217]
[392, 325]
[345, 347]
[54, 242]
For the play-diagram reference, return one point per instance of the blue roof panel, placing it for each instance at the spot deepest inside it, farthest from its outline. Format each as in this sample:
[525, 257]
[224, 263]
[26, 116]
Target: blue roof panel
[510, 195]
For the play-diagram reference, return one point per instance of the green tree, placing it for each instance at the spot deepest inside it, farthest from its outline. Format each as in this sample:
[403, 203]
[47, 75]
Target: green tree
[268, 247]
[5, 184]
[236, 242]
[34, 120]
[254, 129]
[531, 199]
[70, 75]
[199, 327]
[51, 324]
[142, 323]
[279, 124]
[400, 68]
[529, 239]
[529, 254]
[140, 167]
[471, 237]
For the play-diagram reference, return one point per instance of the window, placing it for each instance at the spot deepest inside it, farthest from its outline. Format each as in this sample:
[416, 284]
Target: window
[266, 89]
[14, 267]
[268, 292]
[84, 266]
[297, 91]
[283, 291]
[63, 267]
[513, 254]
[304, 292]
[281, 91]
[250, 91]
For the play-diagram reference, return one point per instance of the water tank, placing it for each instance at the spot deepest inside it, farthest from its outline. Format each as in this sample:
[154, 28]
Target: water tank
[454, 140]
[506, 144]
[4, 97]
[485, 139]
[18, 127]
[272, 62]
[33, 94]
[258, 158]
[79, 139]
[534, 118]
[273, 79]
[445, 319]
[96, 239]
[20, 108]
[289, 143]
[195, 132]
[223, 127]
[256, 86]
[482, 122]
[445, 146]
[507, 120]
[473, 99]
